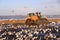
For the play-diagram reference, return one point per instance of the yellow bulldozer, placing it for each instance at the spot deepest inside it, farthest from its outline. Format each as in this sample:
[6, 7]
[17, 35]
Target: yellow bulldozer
[36, 19]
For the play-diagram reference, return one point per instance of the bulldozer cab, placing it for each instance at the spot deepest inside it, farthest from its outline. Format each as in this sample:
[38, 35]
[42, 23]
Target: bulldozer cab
[30, 14]
[34, 16]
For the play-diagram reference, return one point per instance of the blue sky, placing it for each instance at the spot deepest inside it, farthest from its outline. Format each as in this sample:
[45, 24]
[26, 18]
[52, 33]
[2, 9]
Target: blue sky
[23, 7]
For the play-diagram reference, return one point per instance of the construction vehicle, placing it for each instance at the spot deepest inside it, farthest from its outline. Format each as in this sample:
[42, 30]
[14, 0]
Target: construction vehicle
[36, 19]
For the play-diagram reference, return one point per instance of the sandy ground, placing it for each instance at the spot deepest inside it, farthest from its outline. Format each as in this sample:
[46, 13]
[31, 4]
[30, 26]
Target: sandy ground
[23, 21]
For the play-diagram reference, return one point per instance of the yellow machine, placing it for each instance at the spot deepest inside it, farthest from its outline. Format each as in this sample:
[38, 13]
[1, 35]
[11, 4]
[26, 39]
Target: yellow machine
[35, 19]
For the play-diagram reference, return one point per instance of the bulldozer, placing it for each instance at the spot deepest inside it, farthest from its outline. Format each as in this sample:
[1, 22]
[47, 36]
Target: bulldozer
[36, 19]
